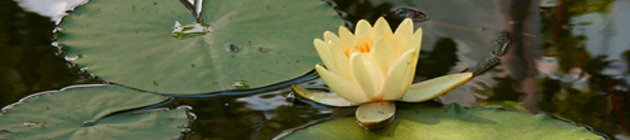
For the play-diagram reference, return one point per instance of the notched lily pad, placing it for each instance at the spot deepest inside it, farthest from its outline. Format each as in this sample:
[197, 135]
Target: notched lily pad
[156, 46]
[92, 112]
[453, 122]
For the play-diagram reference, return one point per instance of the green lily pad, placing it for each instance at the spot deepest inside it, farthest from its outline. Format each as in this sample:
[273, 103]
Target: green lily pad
[453, 122]
[240, 44]
[91, 112]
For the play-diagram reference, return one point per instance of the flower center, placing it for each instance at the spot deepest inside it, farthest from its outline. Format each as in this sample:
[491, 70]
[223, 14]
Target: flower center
[363, 48]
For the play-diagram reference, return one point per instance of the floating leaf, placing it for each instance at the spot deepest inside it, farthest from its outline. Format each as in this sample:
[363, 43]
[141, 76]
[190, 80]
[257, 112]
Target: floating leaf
[91, 112]
[156, 46]
[453, 122]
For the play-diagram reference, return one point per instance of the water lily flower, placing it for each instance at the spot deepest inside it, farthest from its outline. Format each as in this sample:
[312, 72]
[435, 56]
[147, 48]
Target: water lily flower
[373, 67]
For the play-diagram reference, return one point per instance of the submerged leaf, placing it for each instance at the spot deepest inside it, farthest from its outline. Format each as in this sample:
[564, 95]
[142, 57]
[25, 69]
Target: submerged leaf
[156, 46]
[91, 112]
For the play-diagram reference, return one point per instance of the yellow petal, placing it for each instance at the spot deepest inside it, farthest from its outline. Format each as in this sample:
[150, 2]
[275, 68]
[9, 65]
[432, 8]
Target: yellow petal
[341, 86]
[432, 88]
[341, 60]
[330, 36]
[323, 49]
[396, 47]
[382, 55]
[415, 43]
[372, 114]
[367, 75]
[414, 63]
[399, 76]
[363, 28]
[404, 30]
[416, 40]
[346, 38]
[321, 97]
[381, 29]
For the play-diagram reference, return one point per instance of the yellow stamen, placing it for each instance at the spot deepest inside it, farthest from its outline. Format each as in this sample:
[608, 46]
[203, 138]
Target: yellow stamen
[365, 48]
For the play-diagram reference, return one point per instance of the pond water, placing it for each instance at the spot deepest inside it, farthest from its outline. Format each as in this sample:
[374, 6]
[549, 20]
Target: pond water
[566, 58]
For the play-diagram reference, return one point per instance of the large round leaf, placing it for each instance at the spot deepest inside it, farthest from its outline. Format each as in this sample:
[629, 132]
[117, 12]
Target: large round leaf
[91, 112]
[240, 44]
[451, 123]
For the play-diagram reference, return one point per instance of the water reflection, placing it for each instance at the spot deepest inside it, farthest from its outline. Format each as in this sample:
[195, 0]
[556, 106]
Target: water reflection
[258, 116]
[414, 14]
[439, 61]
[55, 9]
[28, 62]
[583, 68]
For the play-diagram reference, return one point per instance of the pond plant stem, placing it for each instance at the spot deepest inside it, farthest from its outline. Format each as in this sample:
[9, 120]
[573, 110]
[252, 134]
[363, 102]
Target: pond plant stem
[503, 41]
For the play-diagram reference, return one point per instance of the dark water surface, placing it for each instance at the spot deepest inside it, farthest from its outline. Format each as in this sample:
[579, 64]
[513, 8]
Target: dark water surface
[567, 58]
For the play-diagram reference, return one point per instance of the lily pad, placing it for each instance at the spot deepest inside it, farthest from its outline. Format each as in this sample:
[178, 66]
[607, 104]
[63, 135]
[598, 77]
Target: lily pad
[91, 112]
[453, 122]
[240, 44]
